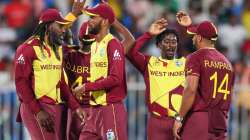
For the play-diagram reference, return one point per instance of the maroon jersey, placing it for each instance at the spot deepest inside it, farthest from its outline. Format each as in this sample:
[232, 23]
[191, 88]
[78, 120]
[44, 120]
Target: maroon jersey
[77, 67]
[26, 75]
[216, 79]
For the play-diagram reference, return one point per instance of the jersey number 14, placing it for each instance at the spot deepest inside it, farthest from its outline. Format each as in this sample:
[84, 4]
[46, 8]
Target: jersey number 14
[223, 86]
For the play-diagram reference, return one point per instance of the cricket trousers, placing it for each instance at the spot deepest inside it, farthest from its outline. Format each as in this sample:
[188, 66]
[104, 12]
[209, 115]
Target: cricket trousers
[196, 128]
[160, 128]
[36, 131]
[102, 123]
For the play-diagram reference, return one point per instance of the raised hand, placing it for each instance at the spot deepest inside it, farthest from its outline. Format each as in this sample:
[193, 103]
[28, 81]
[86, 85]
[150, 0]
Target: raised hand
[158, 27]
[183, 19]
[45, 120]
[77, 7]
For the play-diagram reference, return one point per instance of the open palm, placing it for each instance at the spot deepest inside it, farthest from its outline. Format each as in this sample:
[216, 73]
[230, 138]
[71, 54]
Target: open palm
[158, 26]
[183, 19]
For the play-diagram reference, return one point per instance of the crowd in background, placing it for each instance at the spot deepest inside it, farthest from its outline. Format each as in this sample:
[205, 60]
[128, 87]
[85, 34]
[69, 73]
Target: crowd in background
[18, 18]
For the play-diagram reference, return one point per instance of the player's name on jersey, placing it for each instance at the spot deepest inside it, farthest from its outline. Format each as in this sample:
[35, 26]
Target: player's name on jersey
[162, 74]
[99, 64]
[217, 65]
[77, 68]
[50, 67]
[84, 69]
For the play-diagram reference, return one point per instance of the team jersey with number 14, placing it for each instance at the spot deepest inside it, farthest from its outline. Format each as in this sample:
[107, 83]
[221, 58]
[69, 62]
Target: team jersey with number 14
[216, 79]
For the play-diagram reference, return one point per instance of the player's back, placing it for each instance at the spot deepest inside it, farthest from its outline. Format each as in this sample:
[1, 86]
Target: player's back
[216, 80]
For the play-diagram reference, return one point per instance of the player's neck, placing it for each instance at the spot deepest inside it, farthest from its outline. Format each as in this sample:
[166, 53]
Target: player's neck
[101, 35]
[206, 46]
[167, 57]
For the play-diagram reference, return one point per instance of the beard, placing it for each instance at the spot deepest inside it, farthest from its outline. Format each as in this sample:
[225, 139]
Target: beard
[55, 39]
[95, 30]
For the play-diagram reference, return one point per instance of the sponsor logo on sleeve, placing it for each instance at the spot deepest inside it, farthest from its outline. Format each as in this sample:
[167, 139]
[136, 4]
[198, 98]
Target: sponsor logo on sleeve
[20, 59]
[116, 55]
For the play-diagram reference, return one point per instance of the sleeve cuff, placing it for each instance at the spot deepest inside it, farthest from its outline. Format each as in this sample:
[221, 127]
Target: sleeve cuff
[70, 17]
[87, 87]
[34, 106]
[194, 74]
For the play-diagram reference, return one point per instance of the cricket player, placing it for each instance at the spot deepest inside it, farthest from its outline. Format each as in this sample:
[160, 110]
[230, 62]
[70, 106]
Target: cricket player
[77, 67]
[101, 83]
[39, 80]
[209, 86]
[164, 77]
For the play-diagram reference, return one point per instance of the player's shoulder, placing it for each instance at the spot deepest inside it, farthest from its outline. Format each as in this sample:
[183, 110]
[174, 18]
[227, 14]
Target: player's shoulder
[115, 41]
[33, 41]
[27, 46]
[182, 58]
[115, 44]
[193, 55]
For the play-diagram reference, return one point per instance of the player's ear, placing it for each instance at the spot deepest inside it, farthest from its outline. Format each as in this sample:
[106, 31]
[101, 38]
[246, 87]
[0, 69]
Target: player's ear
[49, 27]
[158, 45]
[105, 22]
[199, 38]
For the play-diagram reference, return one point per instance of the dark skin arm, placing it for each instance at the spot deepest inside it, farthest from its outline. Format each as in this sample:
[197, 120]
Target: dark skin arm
[128, 38]
[187, 101]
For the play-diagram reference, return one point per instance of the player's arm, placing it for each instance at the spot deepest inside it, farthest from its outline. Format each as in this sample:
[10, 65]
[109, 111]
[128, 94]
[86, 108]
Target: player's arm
[128, 38]
[192, 69]
[115, 73]
[70, 99]
[66, 92]
[115, 69]
[23, 75]
[76, 11]
[183, 19]
[187, 102]
[72, 16]
[189, 94]
[137, 58]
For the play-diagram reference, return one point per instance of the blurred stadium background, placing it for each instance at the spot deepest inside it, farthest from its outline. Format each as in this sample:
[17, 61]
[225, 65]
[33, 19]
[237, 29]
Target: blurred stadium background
[232, 17]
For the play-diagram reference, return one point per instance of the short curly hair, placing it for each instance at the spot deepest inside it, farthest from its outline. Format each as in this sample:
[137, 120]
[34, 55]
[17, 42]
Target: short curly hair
[161, 36]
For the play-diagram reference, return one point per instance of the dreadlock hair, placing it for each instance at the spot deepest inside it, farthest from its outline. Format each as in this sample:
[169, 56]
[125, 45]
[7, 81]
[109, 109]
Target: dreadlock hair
[40, 32]
[161, 36]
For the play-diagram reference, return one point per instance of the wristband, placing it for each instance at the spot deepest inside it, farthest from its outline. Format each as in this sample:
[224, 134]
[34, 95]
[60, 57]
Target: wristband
[178, 118]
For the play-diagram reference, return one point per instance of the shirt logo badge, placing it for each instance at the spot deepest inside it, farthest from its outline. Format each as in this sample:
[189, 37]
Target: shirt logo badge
[102, 52]
[178, 63]
[156, 63]
[20, 59]
[116, 55]
[110, 134]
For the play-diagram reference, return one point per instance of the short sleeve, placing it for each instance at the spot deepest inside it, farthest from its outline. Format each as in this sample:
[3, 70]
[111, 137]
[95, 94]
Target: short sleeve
[192, 66]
